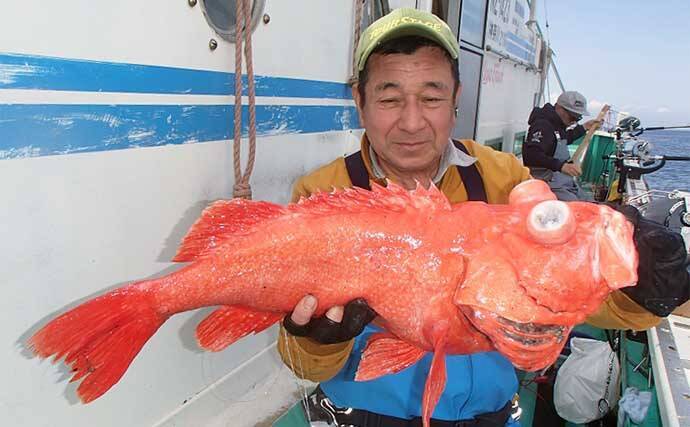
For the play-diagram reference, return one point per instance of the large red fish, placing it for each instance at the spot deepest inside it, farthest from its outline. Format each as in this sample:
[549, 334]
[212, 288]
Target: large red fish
[447, 279]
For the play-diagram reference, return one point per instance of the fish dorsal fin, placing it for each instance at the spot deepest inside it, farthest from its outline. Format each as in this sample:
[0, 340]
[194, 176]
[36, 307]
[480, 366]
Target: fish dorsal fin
[386, 354]
[227, 324]
[392, 198]
[225, 219]
[222, 220]
[436, 380]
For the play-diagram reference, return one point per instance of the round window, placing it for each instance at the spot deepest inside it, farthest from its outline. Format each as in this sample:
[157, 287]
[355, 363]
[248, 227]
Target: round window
[220, 15]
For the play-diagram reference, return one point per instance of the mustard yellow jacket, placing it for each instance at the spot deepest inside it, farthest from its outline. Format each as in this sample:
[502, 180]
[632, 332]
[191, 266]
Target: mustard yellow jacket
[500, 173]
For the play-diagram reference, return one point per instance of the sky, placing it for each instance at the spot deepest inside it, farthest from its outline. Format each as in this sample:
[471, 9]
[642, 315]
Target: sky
[631, 54]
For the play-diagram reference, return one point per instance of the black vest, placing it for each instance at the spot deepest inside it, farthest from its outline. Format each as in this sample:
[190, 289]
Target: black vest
[474, 185]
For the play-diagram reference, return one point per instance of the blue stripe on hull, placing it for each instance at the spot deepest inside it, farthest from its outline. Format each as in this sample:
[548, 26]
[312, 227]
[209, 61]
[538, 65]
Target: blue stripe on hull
[42, 130]
[61, 74]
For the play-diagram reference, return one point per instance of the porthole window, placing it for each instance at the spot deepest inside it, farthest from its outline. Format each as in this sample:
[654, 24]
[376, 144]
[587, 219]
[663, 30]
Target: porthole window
[220, 15]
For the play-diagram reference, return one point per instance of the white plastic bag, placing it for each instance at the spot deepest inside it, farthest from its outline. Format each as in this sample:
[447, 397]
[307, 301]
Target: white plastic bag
[586, 385]
[633, 405]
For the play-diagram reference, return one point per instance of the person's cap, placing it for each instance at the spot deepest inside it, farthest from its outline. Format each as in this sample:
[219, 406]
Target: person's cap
[405, 22]
[573, 102]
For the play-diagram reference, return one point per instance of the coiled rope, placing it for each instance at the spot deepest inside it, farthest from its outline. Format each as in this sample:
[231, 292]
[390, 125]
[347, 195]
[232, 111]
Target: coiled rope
[243, 38]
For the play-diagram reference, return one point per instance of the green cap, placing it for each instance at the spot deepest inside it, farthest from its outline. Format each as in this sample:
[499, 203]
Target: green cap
[405, 22]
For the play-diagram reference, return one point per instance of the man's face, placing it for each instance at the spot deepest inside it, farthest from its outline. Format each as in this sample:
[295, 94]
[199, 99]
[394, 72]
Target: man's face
[409, 110]
[566, 116]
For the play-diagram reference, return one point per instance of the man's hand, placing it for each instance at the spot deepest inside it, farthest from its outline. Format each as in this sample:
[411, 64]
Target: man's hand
[571, 169]
[663, 280]
[339, 324]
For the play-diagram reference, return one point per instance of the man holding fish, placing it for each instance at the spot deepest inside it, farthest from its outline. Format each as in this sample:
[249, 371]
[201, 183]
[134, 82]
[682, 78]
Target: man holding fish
[406, 94]
[461, 293]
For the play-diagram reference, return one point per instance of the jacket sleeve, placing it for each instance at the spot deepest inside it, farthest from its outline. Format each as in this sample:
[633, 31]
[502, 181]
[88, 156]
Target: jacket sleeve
[539, 147]
[311, 360]
[575, 133]
[620, 312]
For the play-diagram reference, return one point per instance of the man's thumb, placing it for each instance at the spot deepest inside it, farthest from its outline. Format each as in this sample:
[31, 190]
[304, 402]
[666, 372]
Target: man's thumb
[304, 310]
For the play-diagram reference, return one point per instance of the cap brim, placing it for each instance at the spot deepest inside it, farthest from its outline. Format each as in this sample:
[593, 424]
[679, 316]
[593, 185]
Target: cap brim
[403, 30]
[581, 113]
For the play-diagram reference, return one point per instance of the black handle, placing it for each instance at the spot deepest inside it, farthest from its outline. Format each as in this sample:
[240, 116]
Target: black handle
[667, 127]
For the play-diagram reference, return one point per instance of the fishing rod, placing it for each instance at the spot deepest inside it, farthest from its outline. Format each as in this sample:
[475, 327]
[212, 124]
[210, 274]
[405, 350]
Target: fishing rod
[640, 131]
[641, 165]
[668, 158]
[632, 124]
[667, 127]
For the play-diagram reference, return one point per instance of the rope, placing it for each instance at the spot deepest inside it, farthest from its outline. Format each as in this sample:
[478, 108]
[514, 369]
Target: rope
[547, 96]
[358, 29]
[242, 188]
[546, 21]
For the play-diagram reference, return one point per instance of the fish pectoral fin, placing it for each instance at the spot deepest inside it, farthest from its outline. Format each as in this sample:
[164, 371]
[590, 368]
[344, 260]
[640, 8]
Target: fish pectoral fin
[221, 221]
[228, 324]
[386, 354]
[436, 380]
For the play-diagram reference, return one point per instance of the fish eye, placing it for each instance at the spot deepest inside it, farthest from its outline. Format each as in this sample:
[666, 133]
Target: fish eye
[551, 222]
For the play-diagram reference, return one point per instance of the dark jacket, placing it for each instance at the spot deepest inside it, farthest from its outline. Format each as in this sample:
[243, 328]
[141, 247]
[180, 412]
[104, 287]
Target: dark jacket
[540, 144]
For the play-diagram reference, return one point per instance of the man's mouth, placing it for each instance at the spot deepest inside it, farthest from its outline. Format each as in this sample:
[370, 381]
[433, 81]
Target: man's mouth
[412, 143]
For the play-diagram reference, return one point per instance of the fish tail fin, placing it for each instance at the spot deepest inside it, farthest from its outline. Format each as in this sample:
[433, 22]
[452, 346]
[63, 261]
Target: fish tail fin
[99, 338]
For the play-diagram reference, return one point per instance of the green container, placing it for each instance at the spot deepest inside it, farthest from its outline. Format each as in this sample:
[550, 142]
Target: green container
[593, 165]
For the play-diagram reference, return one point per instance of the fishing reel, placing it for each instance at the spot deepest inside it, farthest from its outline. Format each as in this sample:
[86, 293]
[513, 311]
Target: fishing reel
[628, 124]
[633, 155]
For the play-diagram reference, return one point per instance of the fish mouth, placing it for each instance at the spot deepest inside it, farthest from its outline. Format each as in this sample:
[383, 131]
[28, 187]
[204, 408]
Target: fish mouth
[529, 346]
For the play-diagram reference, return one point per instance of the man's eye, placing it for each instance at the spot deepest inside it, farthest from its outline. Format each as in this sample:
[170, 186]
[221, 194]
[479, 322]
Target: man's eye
[389, 102]
[433, 100]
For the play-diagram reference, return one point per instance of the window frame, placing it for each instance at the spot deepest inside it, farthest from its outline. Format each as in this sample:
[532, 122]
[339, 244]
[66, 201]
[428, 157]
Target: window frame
[229, 35]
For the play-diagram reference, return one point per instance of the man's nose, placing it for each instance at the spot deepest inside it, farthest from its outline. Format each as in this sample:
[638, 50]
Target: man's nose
[412, 117]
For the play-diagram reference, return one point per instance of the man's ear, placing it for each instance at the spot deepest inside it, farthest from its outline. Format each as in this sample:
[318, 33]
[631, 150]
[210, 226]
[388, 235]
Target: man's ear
[358, 102]
[457, 95]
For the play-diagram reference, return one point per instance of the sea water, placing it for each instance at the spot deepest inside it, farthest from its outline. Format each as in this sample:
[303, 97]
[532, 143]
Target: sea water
[675, 175]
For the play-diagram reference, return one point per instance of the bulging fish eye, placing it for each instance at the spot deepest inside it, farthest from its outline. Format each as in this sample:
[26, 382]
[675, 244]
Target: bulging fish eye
[551, 222]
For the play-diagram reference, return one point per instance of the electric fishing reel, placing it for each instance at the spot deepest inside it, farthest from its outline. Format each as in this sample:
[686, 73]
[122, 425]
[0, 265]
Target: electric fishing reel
[629, 124]
[633, 155]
